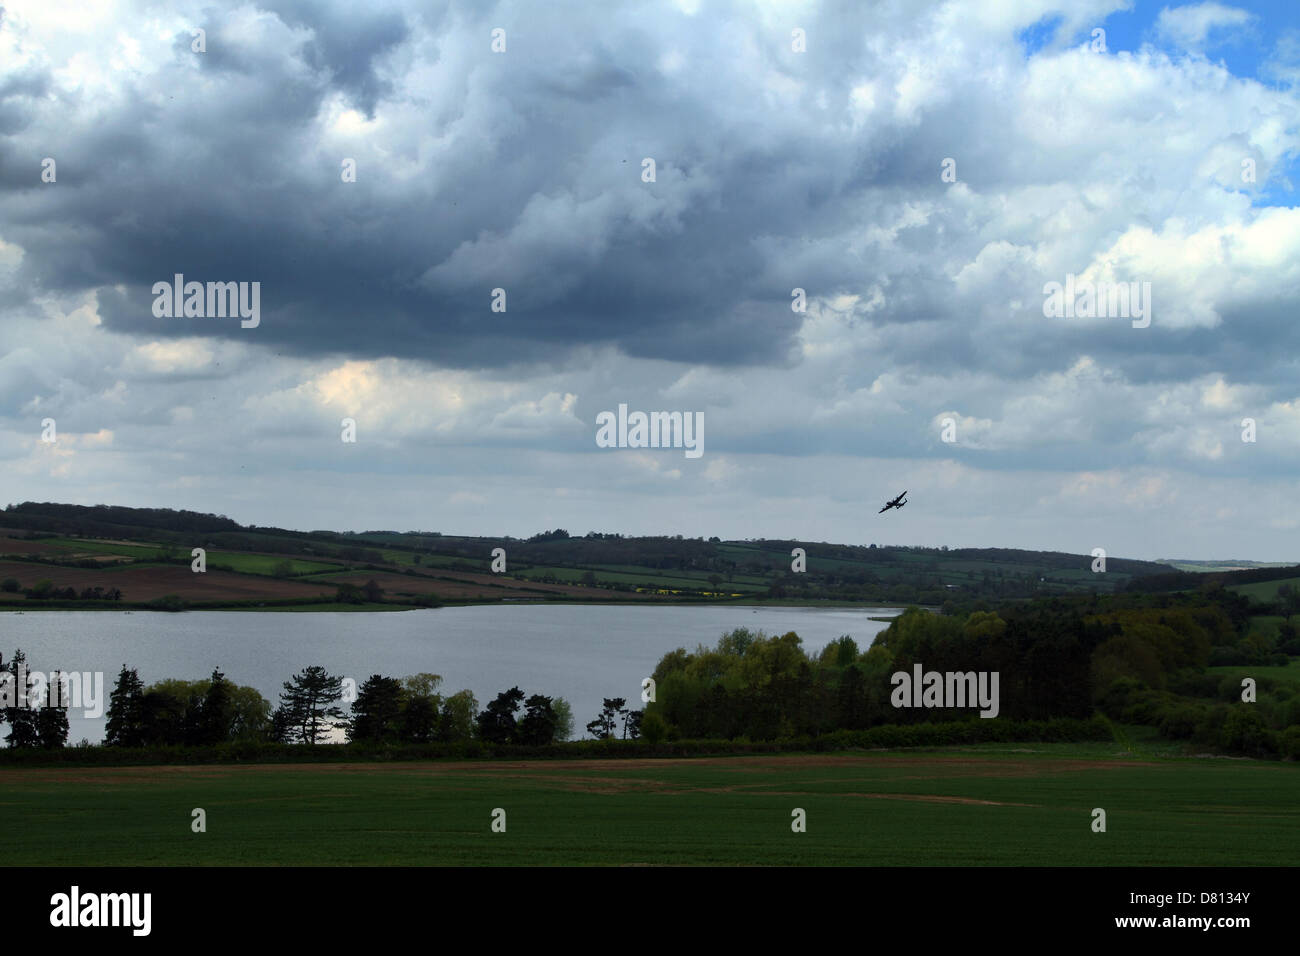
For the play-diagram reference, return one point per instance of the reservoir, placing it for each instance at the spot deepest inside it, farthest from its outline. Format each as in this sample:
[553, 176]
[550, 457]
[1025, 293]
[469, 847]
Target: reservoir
[580, 652]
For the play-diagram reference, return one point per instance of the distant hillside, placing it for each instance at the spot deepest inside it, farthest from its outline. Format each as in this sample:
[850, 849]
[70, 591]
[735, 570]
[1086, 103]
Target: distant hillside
[105, 543]
[1274, 585]
[1184, 564]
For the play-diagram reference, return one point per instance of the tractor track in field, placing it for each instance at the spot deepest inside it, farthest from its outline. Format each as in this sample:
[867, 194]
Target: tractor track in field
[624, 775]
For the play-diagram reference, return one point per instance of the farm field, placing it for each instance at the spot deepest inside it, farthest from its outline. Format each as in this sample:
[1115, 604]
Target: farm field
[662, 579]
[1264, 590]
[235, 576]
[991, 806]
[1290, 674]
[147, 582]
[548, 565]
[241, 561]
[455, 585]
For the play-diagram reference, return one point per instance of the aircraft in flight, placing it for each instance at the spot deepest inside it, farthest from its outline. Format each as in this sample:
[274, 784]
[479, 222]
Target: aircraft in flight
[896, 503]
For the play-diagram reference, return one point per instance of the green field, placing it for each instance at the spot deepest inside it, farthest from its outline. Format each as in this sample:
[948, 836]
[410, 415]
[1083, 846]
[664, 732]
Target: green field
[265, 563]
[617, 574]
[1264, 591]
[1268, 625]
[1290, 674]
[242, 561]
[992, 805]
[406, 559]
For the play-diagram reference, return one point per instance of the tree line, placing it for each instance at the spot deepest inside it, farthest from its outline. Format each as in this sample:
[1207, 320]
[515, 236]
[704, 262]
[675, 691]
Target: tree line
[386, 710]
[1134, 658]
[44, 589]
[44, 727]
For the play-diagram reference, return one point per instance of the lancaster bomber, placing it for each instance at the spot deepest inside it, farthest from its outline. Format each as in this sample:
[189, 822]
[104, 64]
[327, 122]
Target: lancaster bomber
[896, 503]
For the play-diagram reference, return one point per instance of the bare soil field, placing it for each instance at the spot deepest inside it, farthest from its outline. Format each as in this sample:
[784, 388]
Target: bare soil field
[10, 545]
[149, 583]
[462, 585]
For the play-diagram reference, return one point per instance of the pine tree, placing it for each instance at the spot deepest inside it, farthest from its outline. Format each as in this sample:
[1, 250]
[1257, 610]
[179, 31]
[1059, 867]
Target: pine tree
[497, 722]
[22, 716]
[216, 710]
[538, 726]
[125, 726]
[52, 720]
[604, 724]
[377, 709]
[307, 711]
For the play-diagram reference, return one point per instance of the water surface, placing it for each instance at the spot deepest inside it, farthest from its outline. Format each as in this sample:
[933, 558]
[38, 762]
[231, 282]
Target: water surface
[580, 652]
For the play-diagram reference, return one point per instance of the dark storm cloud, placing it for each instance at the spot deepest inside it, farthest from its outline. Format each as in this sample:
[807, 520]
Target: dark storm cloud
[213, 167]
[347, 41]
[522, 171]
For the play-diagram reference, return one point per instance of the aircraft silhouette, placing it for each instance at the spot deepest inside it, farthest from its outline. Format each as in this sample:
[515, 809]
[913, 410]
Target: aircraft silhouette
[896, 503]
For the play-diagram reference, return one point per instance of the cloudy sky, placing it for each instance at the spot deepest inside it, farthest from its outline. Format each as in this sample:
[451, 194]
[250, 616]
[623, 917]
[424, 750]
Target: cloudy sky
[1162, 152]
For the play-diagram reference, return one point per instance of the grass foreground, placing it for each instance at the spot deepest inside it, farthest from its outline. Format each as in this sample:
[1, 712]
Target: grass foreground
[987, 805]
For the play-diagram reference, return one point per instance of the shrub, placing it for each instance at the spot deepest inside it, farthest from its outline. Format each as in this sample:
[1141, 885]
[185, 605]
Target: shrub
[1117, 695]
[1229, 690]
[1244, 731]
[1146, 707]
[922, 735]
[653, 727]
[1210, 724]
[1289, 743]
[1233, 656]
[1196, 685]
[1179, 722]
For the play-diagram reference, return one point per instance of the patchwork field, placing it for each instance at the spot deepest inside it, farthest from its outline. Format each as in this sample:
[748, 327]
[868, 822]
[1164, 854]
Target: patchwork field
[258, 576]
[461, 585]
[549, 565]
[1265, 590]
[11, 545]
[995, 807]
[147, 582]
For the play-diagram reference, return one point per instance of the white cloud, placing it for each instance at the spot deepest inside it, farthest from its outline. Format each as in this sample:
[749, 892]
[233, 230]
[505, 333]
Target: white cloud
[1190, 25]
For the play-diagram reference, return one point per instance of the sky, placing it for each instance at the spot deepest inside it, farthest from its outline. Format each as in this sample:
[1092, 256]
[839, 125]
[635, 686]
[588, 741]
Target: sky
[922, 171]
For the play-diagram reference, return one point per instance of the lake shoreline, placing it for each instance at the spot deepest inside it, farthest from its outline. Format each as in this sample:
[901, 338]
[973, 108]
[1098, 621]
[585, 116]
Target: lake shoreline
[326, 608]
[582, 652]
